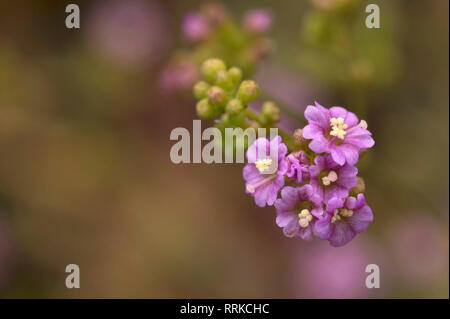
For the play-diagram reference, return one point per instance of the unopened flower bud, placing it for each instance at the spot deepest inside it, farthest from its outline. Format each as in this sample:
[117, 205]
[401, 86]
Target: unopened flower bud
[234, 106]
[210, 68]
[206, 110]
[237, 119]
[298, 137]
[201, 89]
[235, 74]
[248, 91]
[217, 96]
[223, 80]
[225, 120]
[270, 112]
[359, 188]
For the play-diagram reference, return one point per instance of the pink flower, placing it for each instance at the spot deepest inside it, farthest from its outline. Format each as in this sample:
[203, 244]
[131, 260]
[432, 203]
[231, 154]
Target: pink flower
[297, 210]
[262, 186]
[343, 220]
[336, 131]
[329, 180]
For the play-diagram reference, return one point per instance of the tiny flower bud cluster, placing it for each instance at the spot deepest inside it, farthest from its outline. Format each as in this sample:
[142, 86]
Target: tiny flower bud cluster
[223, 95]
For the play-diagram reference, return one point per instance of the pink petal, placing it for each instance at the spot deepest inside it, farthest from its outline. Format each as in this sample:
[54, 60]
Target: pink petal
[349, 118]
[314, 115]
[361, 219]
[312, 130]
[341, 234]
[337, 155]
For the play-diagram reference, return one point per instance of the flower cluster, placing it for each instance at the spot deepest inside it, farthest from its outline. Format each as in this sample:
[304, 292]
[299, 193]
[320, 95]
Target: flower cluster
[310, 177]
[317, 201]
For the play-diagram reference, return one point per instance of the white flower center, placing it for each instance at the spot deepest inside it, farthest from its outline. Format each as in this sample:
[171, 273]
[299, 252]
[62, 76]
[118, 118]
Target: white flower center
[304, 218]
[343, 212]
[338, 127]
[332, 177]
[263, 164]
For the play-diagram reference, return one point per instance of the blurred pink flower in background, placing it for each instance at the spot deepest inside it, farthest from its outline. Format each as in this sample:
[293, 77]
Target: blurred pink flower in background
[129, 32]
[179, 76]
[258, 20]
[322, 271]
[419, 244]
[195, 27]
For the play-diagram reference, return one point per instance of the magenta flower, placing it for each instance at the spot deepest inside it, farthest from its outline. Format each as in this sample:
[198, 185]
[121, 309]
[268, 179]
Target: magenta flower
[297, 211]
[264, 173]
[329, 180]
[336, 131]
[343, 220]
[257, 20]
[298, 167]
[195, 27]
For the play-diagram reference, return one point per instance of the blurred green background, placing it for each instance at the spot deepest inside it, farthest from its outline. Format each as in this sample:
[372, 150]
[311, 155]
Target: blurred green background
[86, 177]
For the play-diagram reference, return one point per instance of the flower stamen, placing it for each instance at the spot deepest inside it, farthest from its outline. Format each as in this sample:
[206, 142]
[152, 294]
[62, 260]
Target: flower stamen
[338, 127]
[263, 164]
[344, 212]
[305, 218]
[330, 178]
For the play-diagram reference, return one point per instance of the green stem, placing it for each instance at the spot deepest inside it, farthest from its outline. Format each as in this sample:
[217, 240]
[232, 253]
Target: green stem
[252, 115]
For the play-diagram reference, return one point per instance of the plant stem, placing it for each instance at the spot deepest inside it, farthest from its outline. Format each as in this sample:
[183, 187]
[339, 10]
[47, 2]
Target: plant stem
[287, 110]
[286, 137]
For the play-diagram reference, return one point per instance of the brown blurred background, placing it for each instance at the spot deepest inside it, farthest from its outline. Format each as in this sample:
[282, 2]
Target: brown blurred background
[86, 177]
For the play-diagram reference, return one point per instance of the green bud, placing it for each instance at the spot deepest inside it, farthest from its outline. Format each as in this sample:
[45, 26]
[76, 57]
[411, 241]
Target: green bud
[201, 89]
[225, 120]
[217, 96]
[270, 112]
[235, 74]
[205, 110]
[233, 120]
[248, 91]
[237, 120]
[359, 188]
[298, 137]
[210, 68]
[223, 79]
[234, 106]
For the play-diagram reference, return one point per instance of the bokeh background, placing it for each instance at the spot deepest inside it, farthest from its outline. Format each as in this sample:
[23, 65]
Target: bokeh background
[86, 177]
